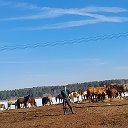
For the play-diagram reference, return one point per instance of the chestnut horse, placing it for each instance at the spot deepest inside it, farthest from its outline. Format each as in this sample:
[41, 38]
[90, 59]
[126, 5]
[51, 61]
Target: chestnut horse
[97, 93]
[25, 101]
[112, 92]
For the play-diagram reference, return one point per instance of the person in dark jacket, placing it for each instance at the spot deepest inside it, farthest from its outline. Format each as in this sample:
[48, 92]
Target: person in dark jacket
[66, 101]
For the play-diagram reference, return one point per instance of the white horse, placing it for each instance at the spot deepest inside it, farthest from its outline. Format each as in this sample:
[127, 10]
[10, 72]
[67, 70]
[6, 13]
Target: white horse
[73, 95]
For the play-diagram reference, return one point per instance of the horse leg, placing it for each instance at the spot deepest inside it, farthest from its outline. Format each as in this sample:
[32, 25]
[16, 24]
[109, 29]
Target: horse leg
[56, 99]
[49, 102]
[9, 105]
[15, 105]
[119, 95]
[25, 104]
[91, 98]
[78, 99]
[85, 97]
[18, 104]
[82, 97]
[22, 105]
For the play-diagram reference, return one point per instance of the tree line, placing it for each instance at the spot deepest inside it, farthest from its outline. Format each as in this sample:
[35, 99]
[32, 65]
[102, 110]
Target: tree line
[42, 91]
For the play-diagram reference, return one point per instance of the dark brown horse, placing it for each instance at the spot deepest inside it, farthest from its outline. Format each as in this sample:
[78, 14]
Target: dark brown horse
[112, 92]
[25, 101]
[47, 100]
[121, 88]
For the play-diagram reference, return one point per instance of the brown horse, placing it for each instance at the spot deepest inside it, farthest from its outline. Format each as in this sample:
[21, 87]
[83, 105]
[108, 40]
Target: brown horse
[25, 101]
[22, 100]
[47, 100]
[112, 92]
[96, 93]
[121, 88]
[32, 101]
[84, 95]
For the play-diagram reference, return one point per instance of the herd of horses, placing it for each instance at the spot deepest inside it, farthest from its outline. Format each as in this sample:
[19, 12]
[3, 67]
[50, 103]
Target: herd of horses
[92, 94]
[23, 102]
[95, 94]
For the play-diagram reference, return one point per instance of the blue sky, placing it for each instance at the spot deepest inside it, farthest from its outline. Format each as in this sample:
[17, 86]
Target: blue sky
[28, 23]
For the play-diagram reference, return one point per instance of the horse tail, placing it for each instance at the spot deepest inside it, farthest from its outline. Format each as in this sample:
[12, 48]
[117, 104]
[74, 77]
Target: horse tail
[18, 104]
[56, 98]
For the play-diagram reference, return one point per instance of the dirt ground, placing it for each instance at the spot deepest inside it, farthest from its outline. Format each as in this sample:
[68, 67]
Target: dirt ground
[87, 115]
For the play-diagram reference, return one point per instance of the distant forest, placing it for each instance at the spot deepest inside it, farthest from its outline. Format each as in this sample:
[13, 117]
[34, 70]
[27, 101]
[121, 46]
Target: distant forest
[54, 90]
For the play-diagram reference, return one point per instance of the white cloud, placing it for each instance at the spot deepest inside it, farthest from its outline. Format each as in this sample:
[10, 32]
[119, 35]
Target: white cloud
[46, 12]
[60, 25]
[91, 13]
[82, 22]
[74, 23]
[30, 6]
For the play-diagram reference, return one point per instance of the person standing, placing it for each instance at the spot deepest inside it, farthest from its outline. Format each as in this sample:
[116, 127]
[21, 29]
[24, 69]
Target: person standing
[66, 101]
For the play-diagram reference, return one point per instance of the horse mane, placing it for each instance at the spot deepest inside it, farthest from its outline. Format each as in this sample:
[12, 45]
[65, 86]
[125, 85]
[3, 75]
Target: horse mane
[26, 98]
